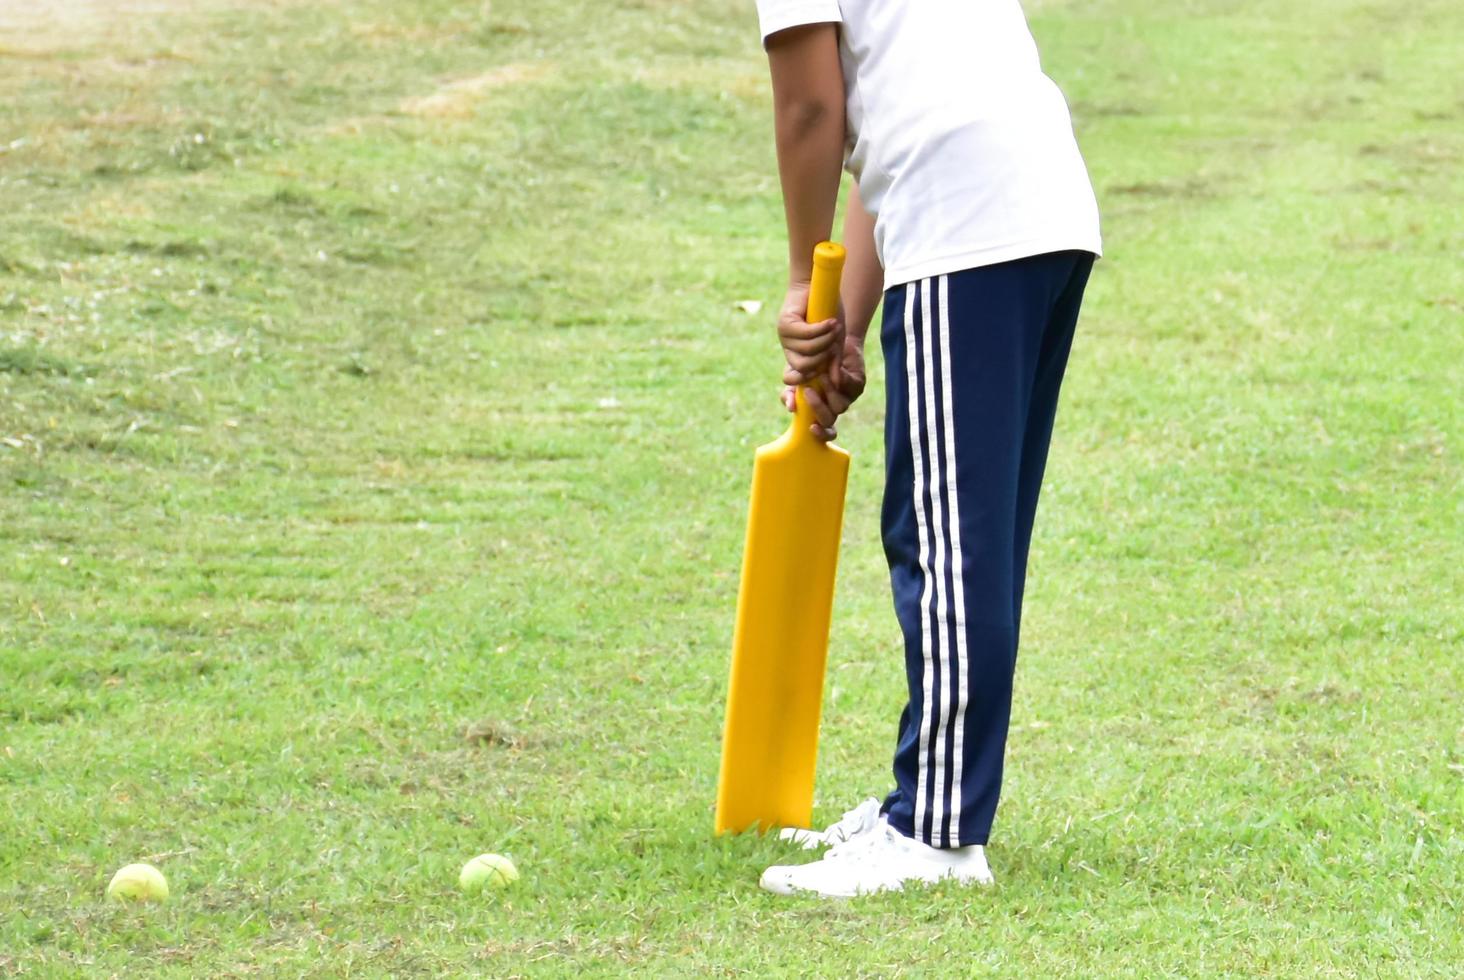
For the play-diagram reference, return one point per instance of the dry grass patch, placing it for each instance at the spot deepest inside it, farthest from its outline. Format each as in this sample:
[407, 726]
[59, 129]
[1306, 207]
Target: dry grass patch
[41, 28]
[457, 99]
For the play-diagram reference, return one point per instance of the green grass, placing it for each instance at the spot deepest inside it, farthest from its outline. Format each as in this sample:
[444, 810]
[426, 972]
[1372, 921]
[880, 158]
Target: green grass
[372, 486]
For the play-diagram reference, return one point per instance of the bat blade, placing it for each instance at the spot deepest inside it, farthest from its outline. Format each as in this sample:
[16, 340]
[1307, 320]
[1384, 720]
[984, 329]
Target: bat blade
[784, 603]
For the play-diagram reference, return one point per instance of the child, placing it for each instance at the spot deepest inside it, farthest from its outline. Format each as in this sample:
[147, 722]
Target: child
[973, 214]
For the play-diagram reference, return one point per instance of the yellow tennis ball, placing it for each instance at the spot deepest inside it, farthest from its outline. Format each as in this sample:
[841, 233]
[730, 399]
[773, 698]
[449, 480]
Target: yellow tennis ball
[487, 871]
[138, 883]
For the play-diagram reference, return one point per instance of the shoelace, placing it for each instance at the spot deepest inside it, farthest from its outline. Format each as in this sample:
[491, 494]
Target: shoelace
[853, 823]
[856, 847]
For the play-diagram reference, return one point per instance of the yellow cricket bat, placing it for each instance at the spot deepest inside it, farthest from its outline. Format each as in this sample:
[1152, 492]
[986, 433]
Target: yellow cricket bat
[781, 638]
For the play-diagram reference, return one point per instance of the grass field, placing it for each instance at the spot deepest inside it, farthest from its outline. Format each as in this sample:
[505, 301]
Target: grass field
[375, 428]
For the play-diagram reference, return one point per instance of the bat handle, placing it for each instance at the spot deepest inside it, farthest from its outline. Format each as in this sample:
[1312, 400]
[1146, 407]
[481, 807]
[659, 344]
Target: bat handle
[823, 303]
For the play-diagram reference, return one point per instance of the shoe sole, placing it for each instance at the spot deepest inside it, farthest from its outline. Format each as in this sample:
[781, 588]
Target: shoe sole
[778, 887]
[792, 890]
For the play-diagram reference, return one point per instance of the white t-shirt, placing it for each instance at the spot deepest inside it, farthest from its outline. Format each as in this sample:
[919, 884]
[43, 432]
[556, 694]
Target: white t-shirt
[962, 147]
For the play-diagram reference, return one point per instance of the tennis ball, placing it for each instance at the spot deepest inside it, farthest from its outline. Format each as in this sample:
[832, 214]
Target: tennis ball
[139, 883]
[487, 871]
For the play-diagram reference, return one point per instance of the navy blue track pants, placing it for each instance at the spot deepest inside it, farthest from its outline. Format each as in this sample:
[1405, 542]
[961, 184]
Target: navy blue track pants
[974, 361]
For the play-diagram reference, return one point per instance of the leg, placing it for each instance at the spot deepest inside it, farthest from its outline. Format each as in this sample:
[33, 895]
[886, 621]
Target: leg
[961, 355]
[953, 441]
[904, 536]
[1057, 341]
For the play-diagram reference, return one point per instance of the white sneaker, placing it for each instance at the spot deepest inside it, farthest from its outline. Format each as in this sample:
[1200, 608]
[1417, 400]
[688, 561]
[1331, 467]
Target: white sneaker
[878, 860]
[862, 819]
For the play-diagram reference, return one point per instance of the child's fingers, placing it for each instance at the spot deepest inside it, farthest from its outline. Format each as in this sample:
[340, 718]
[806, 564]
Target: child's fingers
[823, 430]
[807, 335]
[806, 366]
[795, 326]
[826, 416]
[811, 345]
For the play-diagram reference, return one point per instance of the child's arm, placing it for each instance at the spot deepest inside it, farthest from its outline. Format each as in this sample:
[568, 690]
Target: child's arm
[863, 282]
[808, 120]
[860, 292]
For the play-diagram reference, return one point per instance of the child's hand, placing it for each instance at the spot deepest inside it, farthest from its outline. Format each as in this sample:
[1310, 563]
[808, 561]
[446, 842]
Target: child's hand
[844, 385]
[808, 347]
